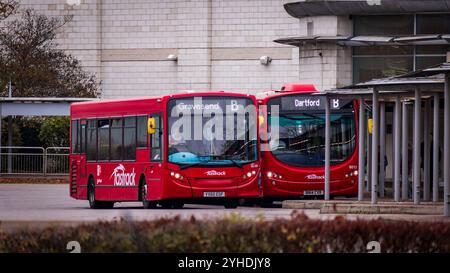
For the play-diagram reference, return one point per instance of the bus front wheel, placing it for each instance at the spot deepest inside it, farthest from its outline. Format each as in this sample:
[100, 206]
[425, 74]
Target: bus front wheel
[144, 193]
[95, 204]
[231, 204]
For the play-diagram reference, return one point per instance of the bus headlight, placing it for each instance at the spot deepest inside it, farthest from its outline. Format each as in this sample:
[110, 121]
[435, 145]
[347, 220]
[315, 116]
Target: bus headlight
[273, 175]
[176, 175]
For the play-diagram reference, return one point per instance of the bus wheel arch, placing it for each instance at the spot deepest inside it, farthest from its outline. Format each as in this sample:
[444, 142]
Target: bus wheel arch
[143, 193]
[93, 203]
[142, 182]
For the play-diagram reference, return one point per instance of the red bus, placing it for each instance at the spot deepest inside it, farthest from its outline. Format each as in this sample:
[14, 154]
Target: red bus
[165, 150]
[294, 156]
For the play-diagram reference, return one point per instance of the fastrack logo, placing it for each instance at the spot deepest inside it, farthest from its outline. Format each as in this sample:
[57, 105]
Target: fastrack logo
[315, 177]
[121, 178]
[214, 172]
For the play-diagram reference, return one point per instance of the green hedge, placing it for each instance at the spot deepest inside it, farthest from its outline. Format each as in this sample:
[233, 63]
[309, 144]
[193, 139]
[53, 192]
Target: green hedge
[235, 234]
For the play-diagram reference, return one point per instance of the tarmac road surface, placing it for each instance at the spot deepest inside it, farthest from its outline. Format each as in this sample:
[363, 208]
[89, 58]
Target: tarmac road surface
[42, 204]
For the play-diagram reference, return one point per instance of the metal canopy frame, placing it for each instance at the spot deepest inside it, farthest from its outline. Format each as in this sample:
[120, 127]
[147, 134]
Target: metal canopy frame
[355, 41]
[33, 106]
[430, 84]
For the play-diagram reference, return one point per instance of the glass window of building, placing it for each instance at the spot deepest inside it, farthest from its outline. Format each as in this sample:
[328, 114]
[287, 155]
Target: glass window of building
[371, 62]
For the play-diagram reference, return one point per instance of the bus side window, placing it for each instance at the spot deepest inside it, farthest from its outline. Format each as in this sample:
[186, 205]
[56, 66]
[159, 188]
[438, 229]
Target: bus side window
[156, 151]
[91, 143]
[103, 139]
[75, 137]
[116, 138]
[129, 138]
[82, 136]
[142, 134]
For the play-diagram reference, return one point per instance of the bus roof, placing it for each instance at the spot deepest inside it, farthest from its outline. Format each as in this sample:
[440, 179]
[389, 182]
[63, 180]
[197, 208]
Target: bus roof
[288, 89]
[135, 106]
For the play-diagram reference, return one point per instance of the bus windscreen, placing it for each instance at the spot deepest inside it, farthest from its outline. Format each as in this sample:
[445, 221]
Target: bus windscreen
[301, 140]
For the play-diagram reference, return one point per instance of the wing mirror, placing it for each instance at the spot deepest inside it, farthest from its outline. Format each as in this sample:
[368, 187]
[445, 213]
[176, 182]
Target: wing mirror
[151, 126]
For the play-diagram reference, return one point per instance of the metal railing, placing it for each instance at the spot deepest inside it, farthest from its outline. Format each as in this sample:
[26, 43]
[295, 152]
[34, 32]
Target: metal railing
[34, 160]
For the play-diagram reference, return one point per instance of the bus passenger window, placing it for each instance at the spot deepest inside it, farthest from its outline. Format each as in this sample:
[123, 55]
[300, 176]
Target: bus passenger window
[156, 141]
[75, 137]
[103, 139]
[129, 138]
[83, 136]
[91, 145]
[142, 132]
[116, 139]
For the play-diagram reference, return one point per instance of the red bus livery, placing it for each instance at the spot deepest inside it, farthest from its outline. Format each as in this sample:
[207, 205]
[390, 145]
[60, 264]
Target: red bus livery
[165, 150]
[293, 158]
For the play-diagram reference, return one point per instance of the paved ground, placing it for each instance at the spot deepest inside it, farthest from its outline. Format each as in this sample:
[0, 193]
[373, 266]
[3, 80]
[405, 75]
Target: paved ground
[35, 204]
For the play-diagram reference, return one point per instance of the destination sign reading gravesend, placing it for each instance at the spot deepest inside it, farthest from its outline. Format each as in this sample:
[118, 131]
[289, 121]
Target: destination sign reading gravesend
[299, 103]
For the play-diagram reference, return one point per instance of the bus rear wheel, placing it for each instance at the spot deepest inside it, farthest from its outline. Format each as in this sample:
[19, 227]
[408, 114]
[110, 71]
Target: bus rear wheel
[144, 195]
[95, 204]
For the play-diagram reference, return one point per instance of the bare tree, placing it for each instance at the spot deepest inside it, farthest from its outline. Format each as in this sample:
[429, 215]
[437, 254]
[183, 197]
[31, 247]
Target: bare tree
[7, 7]
[31, 60]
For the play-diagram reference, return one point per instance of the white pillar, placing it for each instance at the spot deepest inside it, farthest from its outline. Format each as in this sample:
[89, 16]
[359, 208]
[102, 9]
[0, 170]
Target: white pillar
[426, 151]
[436, 149]
[382, 175]
[417, 133]
[375, 132]
[447, 146]
[361, 136]
[397, 150]
[327, 149]
[405, 157]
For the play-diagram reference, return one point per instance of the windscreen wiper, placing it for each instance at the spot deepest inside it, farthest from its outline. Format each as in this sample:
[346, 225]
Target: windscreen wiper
[239, 165]
[185, 166]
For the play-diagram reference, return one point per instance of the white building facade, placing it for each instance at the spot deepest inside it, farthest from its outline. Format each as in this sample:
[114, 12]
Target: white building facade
[217, 44]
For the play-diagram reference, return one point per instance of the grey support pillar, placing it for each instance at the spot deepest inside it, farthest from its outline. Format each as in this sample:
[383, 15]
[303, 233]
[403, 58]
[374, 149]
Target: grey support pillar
[436, 148]
[369, 160]
[397, 134]
[426, 151]
[375, 132]
[405, 158]
[327, 149]
[382, 176]
[447, 146]
[416, 168]
[1, 150]
[361, 135]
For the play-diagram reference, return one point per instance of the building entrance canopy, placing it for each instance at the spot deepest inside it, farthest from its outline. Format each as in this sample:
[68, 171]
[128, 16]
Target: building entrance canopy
[424, 89]
[413, 40]
[364, 7]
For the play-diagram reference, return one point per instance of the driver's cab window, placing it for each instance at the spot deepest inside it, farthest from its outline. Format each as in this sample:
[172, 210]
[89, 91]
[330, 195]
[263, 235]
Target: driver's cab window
[156, 140]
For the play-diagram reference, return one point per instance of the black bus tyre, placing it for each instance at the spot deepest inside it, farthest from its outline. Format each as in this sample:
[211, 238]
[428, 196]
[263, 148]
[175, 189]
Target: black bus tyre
[231, 204]
[95, 204]
[266, 203]
[172, 204]
[144, 193]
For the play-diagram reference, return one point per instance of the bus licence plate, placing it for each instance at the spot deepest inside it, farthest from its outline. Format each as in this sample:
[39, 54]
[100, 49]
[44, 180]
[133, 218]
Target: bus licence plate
[214, 194]
[317, 192]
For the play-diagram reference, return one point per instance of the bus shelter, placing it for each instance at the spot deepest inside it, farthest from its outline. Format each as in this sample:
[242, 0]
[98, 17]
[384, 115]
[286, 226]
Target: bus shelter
[30, 106]
[423, 90]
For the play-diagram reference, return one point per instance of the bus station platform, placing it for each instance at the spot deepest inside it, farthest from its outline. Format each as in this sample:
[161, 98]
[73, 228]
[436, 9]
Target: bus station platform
[351, 206]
